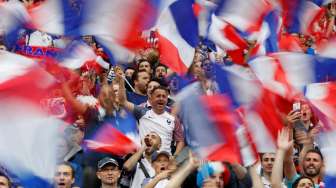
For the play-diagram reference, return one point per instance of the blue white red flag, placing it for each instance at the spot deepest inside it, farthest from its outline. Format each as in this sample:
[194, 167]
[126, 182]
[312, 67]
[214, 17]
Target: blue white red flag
[177, 31]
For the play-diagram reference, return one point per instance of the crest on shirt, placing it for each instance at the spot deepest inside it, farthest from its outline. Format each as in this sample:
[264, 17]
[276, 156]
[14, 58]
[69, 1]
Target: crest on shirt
[168, 121]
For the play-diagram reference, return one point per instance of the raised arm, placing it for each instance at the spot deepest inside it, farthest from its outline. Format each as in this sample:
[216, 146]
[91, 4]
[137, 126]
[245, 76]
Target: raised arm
[76, 105]
[284, 144]
[122, 95]
[133, 160]
[184, 171]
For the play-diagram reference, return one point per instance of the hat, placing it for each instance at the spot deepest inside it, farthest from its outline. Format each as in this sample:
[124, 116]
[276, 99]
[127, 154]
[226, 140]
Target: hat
[107, 160]
[155, 155]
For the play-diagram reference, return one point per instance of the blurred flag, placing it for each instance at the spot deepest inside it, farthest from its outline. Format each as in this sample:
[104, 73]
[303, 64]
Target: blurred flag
[118, 139]
[288, 73]
[225, 35]
[23, 123]
[13, 16]
[58, 17]
[177, 31]
[322, 97]
[245, 15]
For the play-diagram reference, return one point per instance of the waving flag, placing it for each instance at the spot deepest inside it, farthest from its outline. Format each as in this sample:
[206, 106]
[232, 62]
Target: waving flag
[288, 73]
[311, 14]
[119, 139]
[238, 13]
[58, 17]
[216, 115]
[77, 53]
[177, 31]
[225, 35]
[21, 116]
[13, 16]
[322, 96]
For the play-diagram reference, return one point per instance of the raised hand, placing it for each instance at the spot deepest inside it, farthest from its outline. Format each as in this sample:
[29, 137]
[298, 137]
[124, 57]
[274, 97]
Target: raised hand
[293, 116]
[283, 140]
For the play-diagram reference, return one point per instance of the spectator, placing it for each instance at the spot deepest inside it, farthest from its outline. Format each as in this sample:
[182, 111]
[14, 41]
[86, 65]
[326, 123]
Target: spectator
[5, 181]
[144, 65]
[160, 72]
[303, 182]
[163, 167]
[65, 176]
[141, 160]
[156, 119]
[108, 172]
[140, 80]
[129, 71]
[311, 163]
[267, 161]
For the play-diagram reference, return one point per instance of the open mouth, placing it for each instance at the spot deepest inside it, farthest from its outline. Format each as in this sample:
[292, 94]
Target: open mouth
[61, 184]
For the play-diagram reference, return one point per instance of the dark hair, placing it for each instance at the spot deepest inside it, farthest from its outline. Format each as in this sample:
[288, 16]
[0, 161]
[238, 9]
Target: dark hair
[65, 163]
[160, 87]
[129, 67]
[8, 179]
[160, 65]
[135, 75]
[296, 182]
[317, 151]
[143, 60]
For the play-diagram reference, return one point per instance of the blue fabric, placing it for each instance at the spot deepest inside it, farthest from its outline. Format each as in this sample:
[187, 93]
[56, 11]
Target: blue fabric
[186, 21]
[136, 98]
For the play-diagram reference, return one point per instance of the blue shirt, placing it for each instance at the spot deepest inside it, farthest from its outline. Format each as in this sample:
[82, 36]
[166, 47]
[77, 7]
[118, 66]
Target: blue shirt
[136, 98]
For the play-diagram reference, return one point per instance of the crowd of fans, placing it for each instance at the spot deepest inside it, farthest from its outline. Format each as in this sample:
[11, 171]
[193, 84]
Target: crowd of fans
[143, 87]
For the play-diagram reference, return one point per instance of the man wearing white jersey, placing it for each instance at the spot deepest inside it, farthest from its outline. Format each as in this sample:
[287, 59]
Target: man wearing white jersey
[156, 119]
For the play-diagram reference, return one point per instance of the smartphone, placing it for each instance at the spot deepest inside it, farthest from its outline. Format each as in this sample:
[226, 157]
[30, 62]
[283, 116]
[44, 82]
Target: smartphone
[297, 106]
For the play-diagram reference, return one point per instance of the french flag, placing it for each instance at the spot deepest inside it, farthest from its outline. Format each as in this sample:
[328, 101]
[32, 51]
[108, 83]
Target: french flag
[13, 16]
[245, 15]
[311, 14]
[225, 35]
[117, 25]
[288, 73]
[58, 17]
[260, 105]
[291, 11]
[203, 9]
[213, 131]
[322, 97]
[177, 33]
[20, 74]
[77, 53]
[34, 166]
[118, 139]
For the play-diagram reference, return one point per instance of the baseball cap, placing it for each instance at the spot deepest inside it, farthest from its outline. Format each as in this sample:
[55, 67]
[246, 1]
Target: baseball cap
[155, 155]
[107, 160]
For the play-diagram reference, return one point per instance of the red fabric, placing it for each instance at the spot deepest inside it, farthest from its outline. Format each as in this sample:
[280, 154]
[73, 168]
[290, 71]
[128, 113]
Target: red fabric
[230, 33]
[197, 8]
[267, 110]
[218, 107]
[170, 55]
[111, 140]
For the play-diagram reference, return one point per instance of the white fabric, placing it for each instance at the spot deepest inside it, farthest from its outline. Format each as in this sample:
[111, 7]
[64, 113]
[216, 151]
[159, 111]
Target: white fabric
[139, 176]
[38, 38]
[162, 124]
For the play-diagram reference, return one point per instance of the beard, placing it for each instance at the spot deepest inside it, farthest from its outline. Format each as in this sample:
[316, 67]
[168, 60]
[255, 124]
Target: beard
[311, 172]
